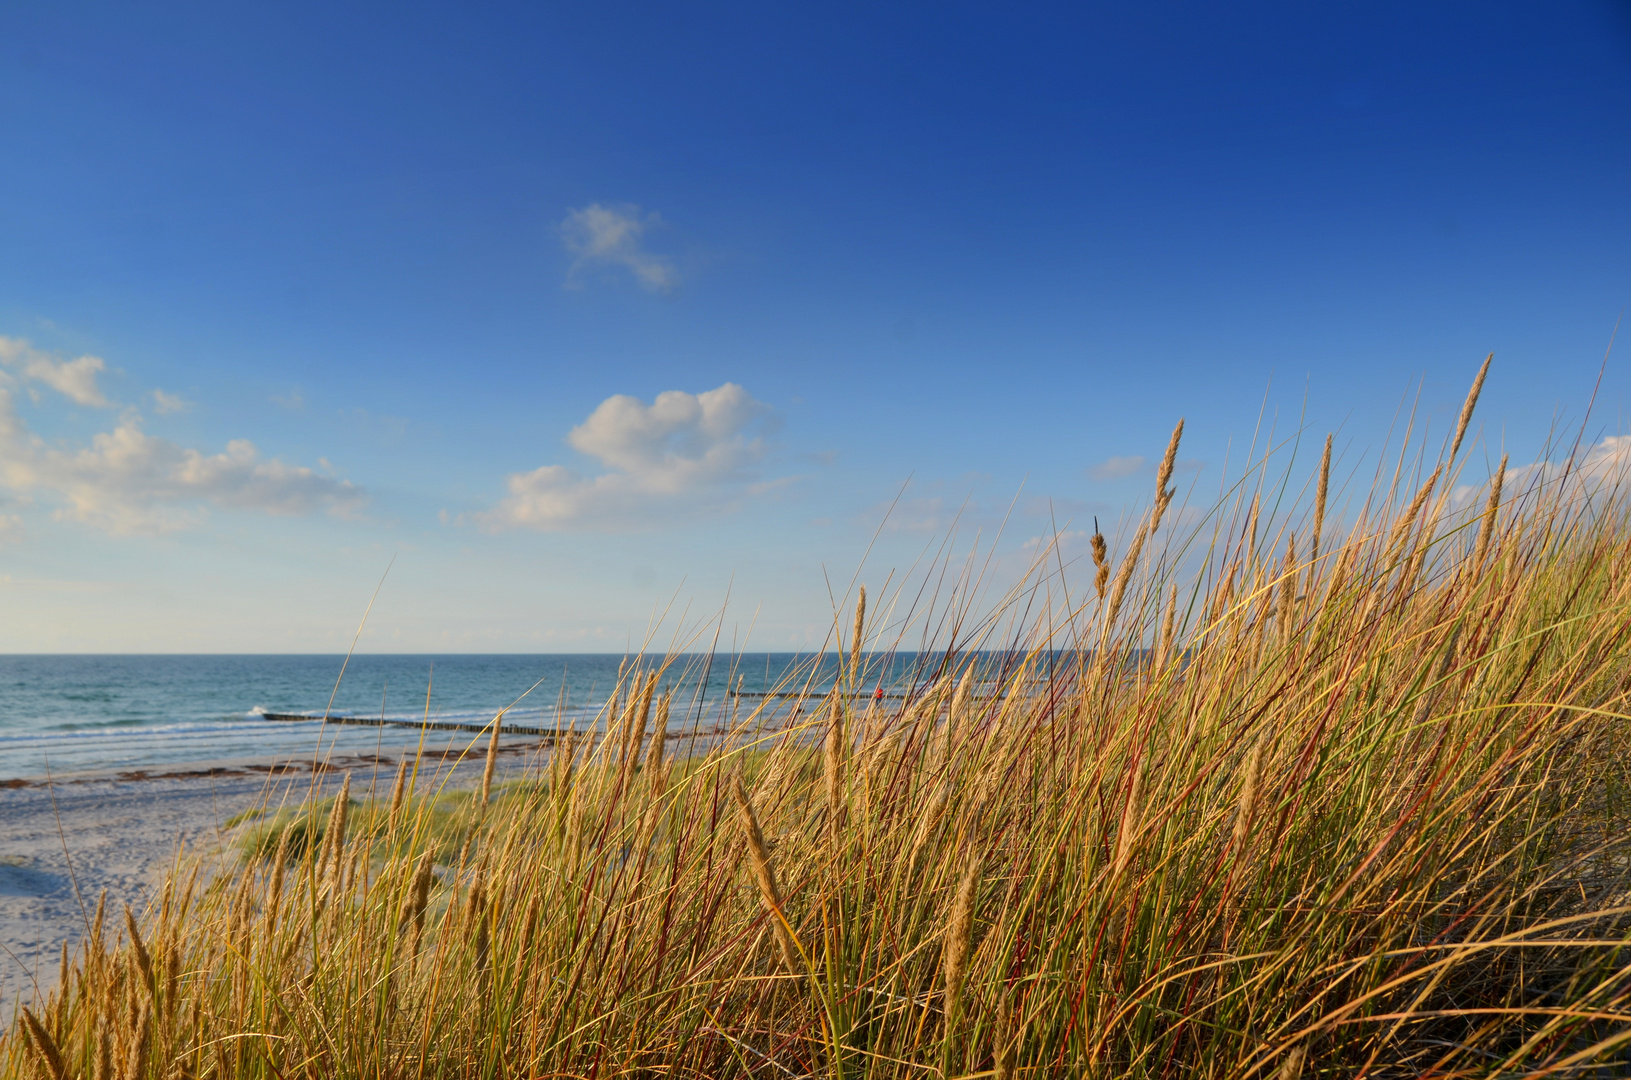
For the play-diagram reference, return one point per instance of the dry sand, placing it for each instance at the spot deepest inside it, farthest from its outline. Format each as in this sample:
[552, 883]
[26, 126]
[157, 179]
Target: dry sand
[63, 843]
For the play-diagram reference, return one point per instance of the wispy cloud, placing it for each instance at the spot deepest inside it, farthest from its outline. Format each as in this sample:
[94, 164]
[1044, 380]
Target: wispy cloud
[612, 237]
[164, 404]
[129, 482]
[681, 455]
[1117, 467]
[1061, 508]
[932, 506]
[918, 514]
[74, 379]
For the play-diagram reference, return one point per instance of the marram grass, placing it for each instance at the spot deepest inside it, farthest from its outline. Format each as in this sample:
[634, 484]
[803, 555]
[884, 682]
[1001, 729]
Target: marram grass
[1318, 805]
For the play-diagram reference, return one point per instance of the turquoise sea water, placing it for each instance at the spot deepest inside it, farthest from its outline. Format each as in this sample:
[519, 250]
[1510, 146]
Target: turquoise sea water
[74, 713]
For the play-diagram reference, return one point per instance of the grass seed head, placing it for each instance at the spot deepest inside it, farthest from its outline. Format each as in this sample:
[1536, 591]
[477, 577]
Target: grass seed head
[1470, 404]
[104, 1052]
[659, 736]
[45, 1047]
[1129, 821]
[419, 895]
[1163, 493]
[1486, 527]
[1124, 574]
[1288, 588]
[139, 1045]
[639, 720]
[1408, 519]
[1101, 561]
[138, 950]
[832, 760]
[857, 635]
[1251, 529]
[957, 714]
[492, 759]
[1246, 805]
[334, 834]
[1163, 653]
[959, 937]
[763, 874]
[399, 789]
[1319, 500]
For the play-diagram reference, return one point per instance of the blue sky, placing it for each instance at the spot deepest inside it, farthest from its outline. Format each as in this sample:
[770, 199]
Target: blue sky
[286, 290]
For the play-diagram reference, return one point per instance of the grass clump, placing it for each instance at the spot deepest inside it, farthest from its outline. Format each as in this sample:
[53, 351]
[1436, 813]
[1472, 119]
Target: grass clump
[1265, 805]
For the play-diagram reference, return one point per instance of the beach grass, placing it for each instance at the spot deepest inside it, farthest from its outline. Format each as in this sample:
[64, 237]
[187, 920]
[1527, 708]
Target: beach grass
[1269, 797]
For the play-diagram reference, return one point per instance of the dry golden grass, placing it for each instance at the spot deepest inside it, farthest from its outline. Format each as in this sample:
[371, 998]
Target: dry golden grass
[1358, 814]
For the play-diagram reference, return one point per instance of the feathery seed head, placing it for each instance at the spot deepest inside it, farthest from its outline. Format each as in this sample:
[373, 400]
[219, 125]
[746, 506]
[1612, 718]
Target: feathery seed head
[759, 856]
[1163, 654]
[1101, 560]
[859, 633]
[138, 949]
[1129, 821]
[654, 755]
[1288, 588]
[45, 1047]
[492, 760]
[832, 759]
[399, 788]
[1163, 493]
[139, 1045]
[1486, 528]
[1319, 500]
[959, 936]
[1123, 575]
[334, 834]
[1470, 404]
[1246, 806]
[1408, 519]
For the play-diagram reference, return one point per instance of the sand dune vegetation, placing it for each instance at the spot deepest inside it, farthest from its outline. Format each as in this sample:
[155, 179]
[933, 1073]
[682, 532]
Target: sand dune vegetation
[1286, 789]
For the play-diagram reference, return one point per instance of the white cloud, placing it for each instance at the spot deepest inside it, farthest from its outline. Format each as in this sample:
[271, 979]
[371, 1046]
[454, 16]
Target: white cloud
[1603, 470]
[74, 379]
[1117, 467]
[127, 481]
[1609, 461]
[611, 236]
[164, 404]
[683, 454]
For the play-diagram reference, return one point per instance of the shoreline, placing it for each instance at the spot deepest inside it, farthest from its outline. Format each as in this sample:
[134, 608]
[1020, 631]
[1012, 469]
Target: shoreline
[260, 765]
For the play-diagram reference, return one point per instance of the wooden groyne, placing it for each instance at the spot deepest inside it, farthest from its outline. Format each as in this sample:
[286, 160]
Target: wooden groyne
[870, 695]
[431, 725]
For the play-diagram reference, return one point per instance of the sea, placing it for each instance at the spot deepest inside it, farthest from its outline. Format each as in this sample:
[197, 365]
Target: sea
[77, 714]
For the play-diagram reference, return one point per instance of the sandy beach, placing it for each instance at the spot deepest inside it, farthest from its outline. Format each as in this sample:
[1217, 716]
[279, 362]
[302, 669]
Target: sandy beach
[63, 843]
